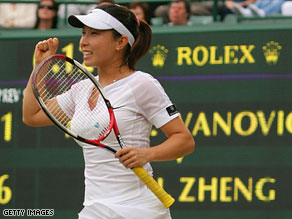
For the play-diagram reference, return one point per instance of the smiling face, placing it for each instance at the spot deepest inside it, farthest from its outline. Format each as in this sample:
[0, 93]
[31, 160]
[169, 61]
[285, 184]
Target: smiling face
[99, 47]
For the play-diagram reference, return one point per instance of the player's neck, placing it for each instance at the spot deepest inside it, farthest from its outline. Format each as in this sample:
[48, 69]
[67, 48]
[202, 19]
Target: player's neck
[109, 76]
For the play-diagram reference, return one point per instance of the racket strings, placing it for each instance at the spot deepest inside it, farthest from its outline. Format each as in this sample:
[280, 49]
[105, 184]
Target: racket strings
[47, 84]
[52, 80]
[55, 81]
[52, 90]
[67, 80]
[55, 78]
[99, 110]
[92, 101]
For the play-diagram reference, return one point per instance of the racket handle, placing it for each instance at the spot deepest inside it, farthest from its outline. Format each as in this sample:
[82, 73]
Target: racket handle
[160, 193]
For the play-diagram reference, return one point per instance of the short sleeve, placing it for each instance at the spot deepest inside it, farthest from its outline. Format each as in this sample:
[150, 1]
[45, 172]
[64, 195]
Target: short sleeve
[153, 102]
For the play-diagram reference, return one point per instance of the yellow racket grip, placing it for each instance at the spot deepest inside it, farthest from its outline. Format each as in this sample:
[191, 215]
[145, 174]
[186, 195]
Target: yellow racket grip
[160, 193]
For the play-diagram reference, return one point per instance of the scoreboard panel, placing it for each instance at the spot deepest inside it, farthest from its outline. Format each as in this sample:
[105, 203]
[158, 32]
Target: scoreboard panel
[232, 87]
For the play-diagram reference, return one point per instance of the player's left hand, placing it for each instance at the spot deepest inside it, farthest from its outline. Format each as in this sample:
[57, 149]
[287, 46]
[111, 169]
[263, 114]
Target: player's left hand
[132, 157]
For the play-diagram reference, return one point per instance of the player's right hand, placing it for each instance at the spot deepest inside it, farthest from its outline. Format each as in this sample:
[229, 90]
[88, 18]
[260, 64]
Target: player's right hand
[44, 49]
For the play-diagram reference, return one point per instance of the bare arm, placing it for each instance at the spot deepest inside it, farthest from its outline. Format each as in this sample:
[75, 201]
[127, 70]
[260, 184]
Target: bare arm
[230, 3]
[179, 143]
[247, 2]
[32, 115]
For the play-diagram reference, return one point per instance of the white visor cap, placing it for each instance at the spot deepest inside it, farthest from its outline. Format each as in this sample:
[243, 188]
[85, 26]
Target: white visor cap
[100, 20]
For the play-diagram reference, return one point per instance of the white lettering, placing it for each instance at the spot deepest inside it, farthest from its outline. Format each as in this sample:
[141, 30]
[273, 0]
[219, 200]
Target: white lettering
[10, 95]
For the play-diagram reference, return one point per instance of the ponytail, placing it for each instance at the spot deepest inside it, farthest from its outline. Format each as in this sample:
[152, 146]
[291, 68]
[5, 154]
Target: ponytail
[141, 45]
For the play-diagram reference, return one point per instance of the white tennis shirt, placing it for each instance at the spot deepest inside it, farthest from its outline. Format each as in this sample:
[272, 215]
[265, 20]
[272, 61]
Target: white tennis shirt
[139, 101]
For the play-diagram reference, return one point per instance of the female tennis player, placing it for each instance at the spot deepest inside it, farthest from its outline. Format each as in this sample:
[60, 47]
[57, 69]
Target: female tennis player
[113, 40]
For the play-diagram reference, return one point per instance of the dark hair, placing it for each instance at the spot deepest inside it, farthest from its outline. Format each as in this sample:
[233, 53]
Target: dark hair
[139, 29]
[55, 19]
[145, 7]
[106, 2]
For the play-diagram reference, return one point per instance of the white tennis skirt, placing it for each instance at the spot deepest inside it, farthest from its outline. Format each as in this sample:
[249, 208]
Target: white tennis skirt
[133, 209]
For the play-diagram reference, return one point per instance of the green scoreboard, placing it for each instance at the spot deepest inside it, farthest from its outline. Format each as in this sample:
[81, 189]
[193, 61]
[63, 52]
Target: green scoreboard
[233, 87]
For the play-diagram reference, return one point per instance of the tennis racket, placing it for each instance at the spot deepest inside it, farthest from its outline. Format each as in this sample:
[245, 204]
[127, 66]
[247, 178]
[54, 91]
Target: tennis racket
[54, 77]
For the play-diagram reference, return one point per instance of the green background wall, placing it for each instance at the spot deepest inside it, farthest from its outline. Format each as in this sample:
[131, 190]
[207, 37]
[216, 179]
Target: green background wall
[232, 85]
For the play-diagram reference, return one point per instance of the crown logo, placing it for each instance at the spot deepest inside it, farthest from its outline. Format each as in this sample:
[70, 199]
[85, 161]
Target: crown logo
[272, 52]
[159, 54]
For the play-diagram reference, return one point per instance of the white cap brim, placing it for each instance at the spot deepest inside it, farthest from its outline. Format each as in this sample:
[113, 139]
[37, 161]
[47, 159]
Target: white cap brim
[100, 20]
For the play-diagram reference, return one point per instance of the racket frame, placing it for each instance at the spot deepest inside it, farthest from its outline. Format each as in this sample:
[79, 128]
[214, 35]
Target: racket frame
[144, 176]
[40, 101]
